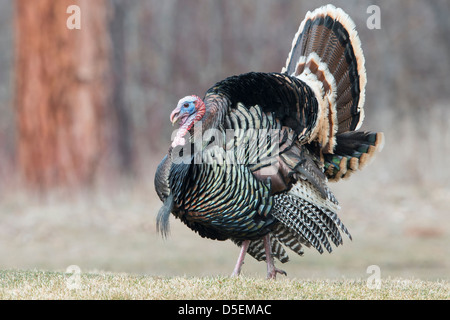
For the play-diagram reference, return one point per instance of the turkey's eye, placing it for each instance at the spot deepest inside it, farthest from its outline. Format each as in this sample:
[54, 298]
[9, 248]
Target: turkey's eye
[186, 105]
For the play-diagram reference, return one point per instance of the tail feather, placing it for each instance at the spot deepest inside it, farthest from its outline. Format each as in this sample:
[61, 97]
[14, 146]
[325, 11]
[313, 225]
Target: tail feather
[354, 150]
[326, 54]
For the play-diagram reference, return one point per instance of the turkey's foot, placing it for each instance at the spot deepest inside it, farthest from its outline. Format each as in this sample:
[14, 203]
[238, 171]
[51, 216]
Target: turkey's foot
[271, 269]
[272, 272]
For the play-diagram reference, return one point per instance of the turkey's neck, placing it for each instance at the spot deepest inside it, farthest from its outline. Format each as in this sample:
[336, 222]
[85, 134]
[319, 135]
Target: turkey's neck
[216, 109]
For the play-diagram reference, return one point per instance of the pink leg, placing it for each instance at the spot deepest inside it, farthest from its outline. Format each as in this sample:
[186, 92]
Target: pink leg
[240, 261]
[271, 270]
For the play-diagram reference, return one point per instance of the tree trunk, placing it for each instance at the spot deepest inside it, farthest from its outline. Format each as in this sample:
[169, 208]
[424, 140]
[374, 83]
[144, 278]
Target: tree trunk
[60, 91]
[121, 122]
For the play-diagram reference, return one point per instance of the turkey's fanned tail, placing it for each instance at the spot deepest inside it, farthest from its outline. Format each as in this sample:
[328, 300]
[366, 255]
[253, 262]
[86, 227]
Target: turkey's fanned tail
[326, 54]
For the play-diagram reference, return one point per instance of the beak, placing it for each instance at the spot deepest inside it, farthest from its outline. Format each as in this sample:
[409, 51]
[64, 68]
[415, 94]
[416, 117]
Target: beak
[174, 116]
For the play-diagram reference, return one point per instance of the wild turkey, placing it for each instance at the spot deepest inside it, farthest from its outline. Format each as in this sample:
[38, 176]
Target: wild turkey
[251, 160]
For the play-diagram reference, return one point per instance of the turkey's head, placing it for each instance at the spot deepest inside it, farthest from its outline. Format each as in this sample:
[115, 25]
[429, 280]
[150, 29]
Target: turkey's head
[189, 110]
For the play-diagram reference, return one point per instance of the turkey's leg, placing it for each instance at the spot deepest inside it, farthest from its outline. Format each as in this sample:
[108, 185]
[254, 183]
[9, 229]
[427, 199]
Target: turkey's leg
[271, 270]
[240, 261]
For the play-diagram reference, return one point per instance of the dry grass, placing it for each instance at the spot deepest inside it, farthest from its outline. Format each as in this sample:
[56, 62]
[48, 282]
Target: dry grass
[55, 285]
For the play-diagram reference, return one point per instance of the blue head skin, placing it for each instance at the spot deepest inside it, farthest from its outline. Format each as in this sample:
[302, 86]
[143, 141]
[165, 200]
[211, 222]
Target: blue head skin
[186, 107]
[189, 110]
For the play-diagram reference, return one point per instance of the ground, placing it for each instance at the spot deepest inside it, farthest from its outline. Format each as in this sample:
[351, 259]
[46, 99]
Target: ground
[57, 285]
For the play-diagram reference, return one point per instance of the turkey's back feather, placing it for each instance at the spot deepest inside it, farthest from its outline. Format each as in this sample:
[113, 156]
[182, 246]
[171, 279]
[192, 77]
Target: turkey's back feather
[289, 99]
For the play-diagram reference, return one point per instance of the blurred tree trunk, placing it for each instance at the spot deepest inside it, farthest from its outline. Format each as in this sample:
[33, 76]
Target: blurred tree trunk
[60, 91]
[122, 133]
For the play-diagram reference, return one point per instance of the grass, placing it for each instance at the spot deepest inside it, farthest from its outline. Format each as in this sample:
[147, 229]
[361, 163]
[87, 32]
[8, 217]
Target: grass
[33, 284]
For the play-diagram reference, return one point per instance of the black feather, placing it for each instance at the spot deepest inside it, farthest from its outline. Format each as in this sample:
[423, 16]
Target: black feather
[162, 220]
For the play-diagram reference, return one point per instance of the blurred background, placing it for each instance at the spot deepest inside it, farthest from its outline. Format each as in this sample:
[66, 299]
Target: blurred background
[84, 122]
